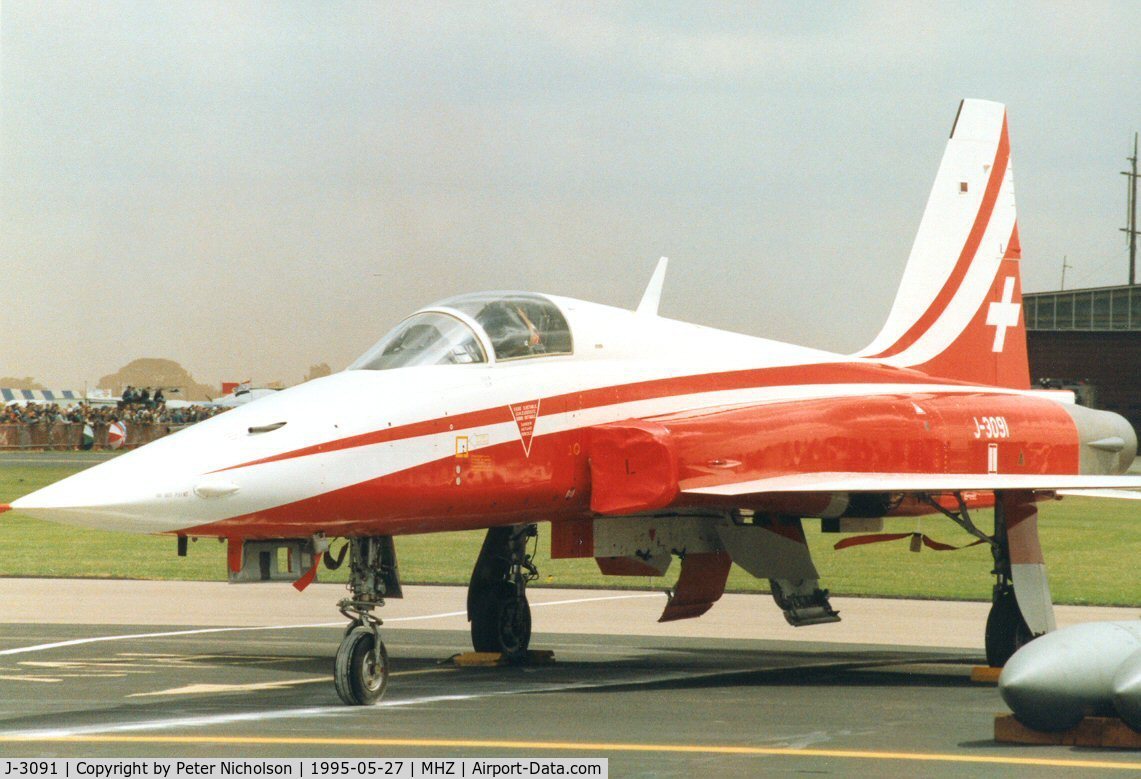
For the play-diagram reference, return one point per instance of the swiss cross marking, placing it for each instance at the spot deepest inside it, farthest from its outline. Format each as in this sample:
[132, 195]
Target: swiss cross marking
[1003, 314]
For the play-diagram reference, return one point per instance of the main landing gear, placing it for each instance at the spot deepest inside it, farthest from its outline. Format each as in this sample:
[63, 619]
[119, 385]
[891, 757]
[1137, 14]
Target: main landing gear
[1006, 628]
[497, 596]
[1009, 624]
[361, 669]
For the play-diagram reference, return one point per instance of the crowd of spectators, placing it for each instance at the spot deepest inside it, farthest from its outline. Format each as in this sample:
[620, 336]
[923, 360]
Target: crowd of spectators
[136, 412]
[49, 425]
[142, 396]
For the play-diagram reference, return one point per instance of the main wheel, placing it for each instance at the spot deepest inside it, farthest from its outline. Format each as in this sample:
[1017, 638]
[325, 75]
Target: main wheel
[1006, 630]
[360, 674]
[502, 623]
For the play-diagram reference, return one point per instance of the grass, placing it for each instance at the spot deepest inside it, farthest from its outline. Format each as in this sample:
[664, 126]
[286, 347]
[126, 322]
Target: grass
[1092, 548]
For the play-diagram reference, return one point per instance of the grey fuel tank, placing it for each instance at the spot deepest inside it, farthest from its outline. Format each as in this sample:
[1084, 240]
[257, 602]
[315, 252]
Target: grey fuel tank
[1092, 669]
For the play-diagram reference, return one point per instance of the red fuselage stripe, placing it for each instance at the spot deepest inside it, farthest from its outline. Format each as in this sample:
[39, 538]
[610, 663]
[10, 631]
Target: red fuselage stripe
[825, 373]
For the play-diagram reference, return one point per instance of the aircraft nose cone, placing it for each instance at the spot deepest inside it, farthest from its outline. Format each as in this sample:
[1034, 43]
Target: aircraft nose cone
[135, 492]
[109, 505]
[1127, 690]
[1059, 678]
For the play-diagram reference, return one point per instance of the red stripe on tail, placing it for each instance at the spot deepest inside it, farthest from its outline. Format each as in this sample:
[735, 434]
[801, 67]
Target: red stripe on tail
[966, 256]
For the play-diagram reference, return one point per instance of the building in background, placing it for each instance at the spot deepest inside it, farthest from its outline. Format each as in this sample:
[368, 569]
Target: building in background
[1089, 340]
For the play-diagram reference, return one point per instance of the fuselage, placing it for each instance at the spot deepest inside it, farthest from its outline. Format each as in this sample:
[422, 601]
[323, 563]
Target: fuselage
[444, 447]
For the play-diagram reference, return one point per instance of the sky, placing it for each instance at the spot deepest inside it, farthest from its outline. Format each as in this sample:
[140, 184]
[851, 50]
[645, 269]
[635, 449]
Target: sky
[254, 188]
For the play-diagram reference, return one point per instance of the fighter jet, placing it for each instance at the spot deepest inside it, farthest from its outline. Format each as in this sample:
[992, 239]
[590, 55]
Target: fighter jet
[640, 439]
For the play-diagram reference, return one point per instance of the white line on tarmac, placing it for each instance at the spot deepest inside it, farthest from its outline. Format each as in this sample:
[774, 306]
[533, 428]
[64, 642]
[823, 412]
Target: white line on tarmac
[441, 615]
[97, 639]
[208, 689]
[594, 600]
[318, 711]
[201, 631]
[567, 602]
[175, 722]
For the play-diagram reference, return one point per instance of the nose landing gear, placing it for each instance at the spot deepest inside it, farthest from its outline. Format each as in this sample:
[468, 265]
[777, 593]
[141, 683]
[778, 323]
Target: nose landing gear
[360, 672]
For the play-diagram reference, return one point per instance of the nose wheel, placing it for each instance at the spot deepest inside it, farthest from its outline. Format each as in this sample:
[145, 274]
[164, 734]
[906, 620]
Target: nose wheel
[361, 670]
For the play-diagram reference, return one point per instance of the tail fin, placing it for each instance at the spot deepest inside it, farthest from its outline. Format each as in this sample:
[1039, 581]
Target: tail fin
[958, 312]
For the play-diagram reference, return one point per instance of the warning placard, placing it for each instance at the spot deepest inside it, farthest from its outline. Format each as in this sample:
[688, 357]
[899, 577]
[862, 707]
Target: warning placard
[525, 415]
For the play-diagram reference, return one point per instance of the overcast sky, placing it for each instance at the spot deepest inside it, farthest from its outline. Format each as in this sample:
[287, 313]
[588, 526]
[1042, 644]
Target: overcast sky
[252, 188]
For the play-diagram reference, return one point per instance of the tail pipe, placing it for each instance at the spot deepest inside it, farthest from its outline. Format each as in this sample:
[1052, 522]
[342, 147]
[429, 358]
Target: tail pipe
[1107, 442]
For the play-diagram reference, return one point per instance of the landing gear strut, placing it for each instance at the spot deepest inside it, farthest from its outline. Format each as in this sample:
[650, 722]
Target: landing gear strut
[497, 596]
[1006, 627]
[361, 669]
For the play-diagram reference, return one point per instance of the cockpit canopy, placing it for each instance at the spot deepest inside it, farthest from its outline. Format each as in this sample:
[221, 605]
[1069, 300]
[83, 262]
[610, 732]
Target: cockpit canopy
[516, 325]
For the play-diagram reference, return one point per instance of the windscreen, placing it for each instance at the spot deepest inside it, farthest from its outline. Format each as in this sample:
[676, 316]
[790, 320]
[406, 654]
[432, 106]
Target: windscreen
[428, 338]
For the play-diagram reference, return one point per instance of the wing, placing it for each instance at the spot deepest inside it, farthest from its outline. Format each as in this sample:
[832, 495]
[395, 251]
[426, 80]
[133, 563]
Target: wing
[1112, 494]
[1098, 486]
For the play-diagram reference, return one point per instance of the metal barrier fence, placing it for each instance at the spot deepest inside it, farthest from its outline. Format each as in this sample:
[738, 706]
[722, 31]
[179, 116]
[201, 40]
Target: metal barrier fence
[69, 435]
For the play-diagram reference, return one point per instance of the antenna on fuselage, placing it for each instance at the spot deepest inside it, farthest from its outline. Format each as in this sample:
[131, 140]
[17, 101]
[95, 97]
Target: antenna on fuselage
[653, 294]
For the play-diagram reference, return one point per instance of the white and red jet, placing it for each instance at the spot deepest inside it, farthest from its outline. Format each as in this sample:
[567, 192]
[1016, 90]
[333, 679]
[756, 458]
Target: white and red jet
[641, 438]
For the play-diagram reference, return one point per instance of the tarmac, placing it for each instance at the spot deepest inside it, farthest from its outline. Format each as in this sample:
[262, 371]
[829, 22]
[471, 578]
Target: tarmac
[92, 668]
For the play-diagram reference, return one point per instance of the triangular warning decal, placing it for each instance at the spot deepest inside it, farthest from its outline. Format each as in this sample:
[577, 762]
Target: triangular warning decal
[525, 415]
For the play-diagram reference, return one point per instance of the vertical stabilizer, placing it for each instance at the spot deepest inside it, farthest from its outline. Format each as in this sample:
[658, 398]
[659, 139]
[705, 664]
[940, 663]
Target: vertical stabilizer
[652, 297]
[958, 312]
